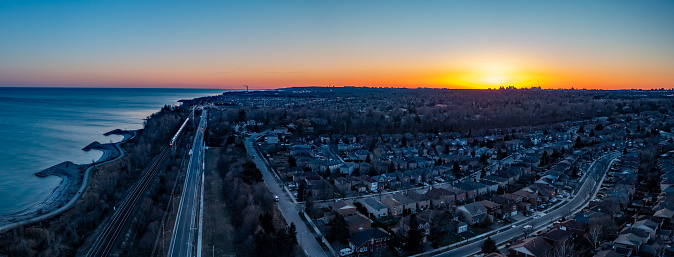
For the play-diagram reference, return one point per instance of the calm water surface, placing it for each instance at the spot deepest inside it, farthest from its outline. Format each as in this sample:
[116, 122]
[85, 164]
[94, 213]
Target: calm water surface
[41, 127]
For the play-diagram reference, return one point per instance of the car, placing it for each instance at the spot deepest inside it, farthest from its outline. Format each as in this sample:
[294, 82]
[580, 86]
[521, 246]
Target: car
[345, 252]
[513, 226]
[276, 199]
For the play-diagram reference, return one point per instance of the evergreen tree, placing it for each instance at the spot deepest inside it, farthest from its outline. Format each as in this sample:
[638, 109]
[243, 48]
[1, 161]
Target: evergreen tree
[267, 223]
[415, 237]
[251, 173]
[456, 169]
[489, 246]
[367, 159]
[292, 162]
[484, 159]
[339, 230]
[292, 234]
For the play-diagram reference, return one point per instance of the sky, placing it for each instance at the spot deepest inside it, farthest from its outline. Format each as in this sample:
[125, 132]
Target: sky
[270, 44]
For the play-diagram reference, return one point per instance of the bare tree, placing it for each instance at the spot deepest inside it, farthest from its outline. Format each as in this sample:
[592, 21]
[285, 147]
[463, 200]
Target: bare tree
[593, 235]
[564, 249]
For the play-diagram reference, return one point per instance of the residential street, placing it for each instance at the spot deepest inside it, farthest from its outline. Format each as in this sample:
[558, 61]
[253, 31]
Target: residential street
[597, 170]
[287, 207]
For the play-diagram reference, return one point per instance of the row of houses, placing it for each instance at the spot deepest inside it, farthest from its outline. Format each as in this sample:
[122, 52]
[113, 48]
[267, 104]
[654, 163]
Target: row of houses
[651, 234]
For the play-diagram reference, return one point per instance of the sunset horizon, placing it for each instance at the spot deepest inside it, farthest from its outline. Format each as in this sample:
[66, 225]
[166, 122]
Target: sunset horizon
[477, 45]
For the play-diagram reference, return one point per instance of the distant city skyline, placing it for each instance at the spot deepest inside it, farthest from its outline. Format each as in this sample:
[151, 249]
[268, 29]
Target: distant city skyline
[272, 44]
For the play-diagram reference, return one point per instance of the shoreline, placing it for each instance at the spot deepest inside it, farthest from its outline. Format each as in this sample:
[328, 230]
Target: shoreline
[72, 179]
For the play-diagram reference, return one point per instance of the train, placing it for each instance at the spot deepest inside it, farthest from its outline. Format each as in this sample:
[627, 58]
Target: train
[175, 137]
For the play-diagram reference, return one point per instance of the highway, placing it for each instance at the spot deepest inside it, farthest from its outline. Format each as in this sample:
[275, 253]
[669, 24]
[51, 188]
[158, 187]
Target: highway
[183, 237]
[108, 237]
[287, 207]
[584, 195]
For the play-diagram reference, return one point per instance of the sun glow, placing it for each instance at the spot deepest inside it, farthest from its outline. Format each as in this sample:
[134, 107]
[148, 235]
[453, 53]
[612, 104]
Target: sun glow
[494, 80]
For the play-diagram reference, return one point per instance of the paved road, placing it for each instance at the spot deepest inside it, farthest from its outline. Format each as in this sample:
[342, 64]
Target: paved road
[182, 240]
[288, 209]
[108, 237]
[584, 195]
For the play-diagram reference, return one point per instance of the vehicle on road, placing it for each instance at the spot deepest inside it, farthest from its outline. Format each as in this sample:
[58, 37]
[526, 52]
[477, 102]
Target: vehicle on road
[276, 199]
[513, 226]
[345, 252]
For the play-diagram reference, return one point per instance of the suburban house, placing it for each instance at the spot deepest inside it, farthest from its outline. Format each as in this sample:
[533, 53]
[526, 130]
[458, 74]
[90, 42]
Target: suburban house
[530, 247]
[358, 223]
[493, 209]
[469, 186]
[440, 197]
[408, 204]
[370, 183]
[367, 241]
[344, 208]
[394, 207]
[375, 208]
[422, 201]
[472, 213]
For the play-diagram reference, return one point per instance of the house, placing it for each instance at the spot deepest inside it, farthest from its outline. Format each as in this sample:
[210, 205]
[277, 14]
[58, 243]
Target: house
[344, 208]
[500, 181]
[508, 205]
[348, 168]
[343, 186]
[440, 197]
[573, 226]
[460, 196]
[375, 208]
[647, 225]
[422, 201]
[358, 223]
[472, 212]
[367, 241]
[556, 237]
[472, 186]
[493, 209]
[492, 187]
[530, 247]
[370, 183]
[628, 243]
[408, 204]
[394, 207]
[321, 189]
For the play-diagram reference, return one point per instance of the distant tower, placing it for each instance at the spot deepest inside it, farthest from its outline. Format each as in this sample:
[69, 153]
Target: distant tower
[246, 88]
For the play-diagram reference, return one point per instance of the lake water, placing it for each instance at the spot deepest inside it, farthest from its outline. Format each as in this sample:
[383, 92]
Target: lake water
[41, 127]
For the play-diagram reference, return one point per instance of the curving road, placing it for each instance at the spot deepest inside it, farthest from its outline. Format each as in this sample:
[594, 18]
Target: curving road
[585, 194]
